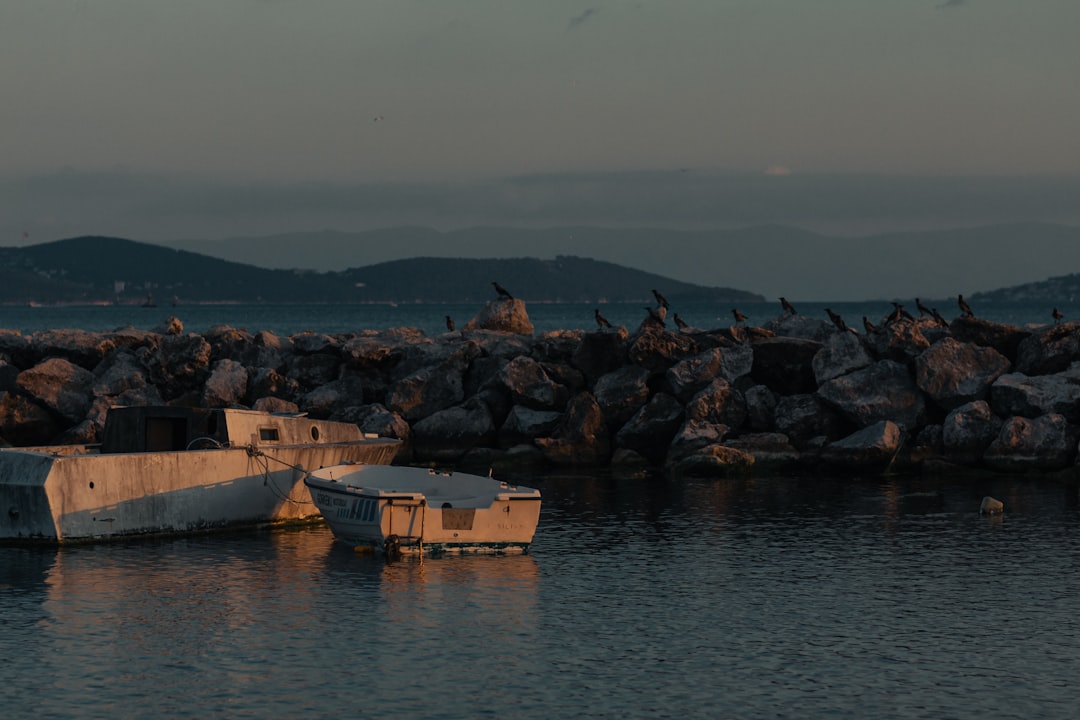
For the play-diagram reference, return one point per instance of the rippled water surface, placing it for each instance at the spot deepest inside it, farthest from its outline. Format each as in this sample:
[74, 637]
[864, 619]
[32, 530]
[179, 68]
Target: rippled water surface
[809, 597]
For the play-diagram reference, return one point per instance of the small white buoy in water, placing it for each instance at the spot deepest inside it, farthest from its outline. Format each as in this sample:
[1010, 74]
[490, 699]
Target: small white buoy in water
[991, 506]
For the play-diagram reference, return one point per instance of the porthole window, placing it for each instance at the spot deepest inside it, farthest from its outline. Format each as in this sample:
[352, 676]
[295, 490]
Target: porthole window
[314, 432]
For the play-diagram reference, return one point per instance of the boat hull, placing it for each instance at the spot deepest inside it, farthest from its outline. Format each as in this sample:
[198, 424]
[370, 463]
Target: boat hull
[414, 510]
[66, 495]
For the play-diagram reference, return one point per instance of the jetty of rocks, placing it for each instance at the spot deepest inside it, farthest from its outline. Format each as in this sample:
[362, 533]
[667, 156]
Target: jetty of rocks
[797, 393]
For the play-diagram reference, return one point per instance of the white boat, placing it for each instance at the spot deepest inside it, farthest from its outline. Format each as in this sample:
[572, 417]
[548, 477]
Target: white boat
[165, 470]
[416, 510]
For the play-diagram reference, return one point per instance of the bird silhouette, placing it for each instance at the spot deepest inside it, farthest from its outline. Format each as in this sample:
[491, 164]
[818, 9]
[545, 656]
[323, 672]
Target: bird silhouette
[679, 322]
[739, 317]
[940, 320]
[501, 290]
[965, 309]
[837, 320]
[788, 307]
[923, 310]
[869, 326]
[450, 323]
[899, 313]
[1057, 316]
[601, 320]
[660, 299]
[656, 315]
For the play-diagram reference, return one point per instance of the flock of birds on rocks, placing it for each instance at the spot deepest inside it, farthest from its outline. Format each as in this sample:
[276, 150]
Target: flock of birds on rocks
[658, 314]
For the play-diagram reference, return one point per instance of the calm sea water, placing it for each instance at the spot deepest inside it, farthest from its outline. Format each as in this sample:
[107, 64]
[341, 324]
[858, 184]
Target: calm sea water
[775, 597]
[290, 319]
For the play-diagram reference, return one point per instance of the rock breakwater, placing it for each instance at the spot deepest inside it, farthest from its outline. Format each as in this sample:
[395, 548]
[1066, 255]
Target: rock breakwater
[797, 393]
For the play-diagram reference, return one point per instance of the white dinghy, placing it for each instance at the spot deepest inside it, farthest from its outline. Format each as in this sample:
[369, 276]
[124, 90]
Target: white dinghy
[417, 510]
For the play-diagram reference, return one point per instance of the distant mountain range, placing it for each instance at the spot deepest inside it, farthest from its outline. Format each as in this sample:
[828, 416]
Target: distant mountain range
[104, 269]
[772, 260]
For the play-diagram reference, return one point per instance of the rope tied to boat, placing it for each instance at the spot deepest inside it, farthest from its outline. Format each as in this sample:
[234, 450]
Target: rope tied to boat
[264, 461]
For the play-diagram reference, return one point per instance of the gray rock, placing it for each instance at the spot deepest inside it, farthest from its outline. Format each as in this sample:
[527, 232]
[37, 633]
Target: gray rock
[1004, 338]
[954, 373]
[60, 386]
[840, 354]
[883, 391]
[118, 372]
[690, 376]
[760, 408]
[523, 424]
[694, 435]
[581, 439]
[719, 402]
[622, 393]
[23, 422]
[769, 450]
[651, 429]
[600, 353]
[268, 382]
[901, 341]
[873, 447]
[657, 350]
[312, 343]
[1049, 350]
[428, 391]
[333, 398]
[227, 385]
[1019, 394]
[314, 369]
[804, 417]
[502, 315]
[800, 326]
[447, 435]
[968, 431]
[275, 405]
[1045, 443]
[529, 385]
[785, 364]
[713, 461]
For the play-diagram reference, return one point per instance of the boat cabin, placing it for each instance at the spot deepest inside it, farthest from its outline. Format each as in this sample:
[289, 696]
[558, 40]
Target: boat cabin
[164, 429]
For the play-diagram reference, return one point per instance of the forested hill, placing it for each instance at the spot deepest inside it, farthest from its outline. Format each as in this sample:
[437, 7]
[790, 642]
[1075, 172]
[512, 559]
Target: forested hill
[564, 279]
[93, 269]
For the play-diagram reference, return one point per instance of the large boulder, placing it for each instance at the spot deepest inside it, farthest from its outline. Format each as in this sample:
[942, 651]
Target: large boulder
[760, 408]
[785, 364]
[447, 435]
[622, 393]
[332, 399]
[1002, 337]
[581, 438]
[523, 424]
[713, 461]
[85, 349]
[694, 435]
[1045, 443]
[118, 372]
[718, 402]
[178, 364]
[657, 349]
[23, 422]
[503, 315]
[59, 385]
[650, 430]
[529, 385]
[871, 448]
[227, 385]
[841, 353]
[802, 418]
[1019, 394]
[882, 391]
[800, 326]
[692, 375]
[968, 431]
[902, 340]
[953, 373]
[769, 450]
[1049, 350]
[600, 353]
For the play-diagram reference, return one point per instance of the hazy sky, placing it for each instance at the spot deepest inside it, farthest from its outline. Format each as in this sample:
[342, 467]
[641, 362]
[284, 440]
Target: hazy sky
[157, 119]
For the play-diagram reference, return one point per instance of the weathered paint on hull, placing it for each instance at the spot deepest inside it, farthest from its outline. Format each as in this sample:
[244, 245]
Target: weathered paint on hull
[89, 497]
[366, 522]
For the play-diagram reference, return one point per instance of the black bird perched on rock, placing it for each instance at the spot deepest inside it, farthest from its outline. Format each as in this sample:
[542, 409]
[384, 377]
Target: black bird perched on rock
[923, 310]
[837, 320]
[657, 315]
[739, 317]
[899, 313]
[1057, 316]
[788, 307]
[660, 299]
[868, 325]
[501, 290]
[450, 323]
[940, 320]
[601, 320]
[679, 322]
[965, 309]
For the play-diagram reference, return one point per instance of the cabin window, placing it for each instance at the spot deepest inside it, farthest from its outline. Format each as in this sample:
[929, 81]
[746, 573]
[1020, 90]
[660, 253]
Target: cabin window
[314, 433]
[268, 434]
[164, 434]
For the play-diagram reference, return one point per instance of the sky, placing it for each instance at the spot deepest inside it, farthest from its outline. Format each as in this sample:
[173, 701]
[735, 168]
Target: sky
[158, 120]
